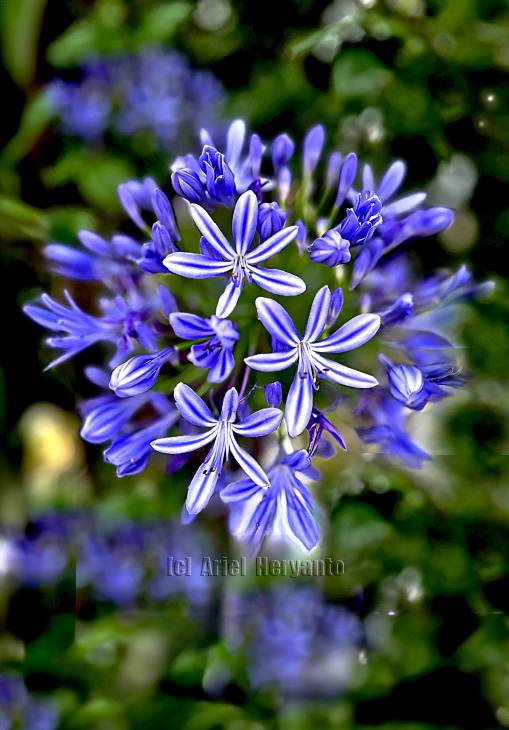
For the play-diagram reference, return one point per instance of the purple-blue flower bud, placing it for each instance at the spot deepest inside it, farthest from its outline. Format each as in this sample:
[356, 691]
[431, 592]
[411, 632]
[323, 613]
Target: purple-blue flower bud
[138, 374]
[188, 185]
[164, 212]
[274, 394]
[271, 219]
[313, 145]
[346, 178]
[283, 148]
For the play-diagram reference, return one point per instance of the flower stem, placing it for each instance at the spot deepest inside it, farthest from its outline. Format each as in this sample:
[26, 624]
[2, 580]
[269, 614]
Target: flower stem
[189, 343]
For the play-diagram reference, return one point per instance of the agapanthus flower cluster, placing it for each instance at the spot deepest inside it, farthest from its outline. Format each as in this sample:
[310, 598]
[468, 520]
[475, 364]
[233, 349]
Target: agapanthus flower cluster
[153, 90]
[190, 359]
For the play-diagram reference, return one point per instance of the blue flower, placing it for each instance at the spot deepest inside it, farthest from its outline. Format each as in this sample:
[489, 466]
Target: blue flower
[222, 432]
[312, 148]
[414, 386]
[242, 262]
[216, 353]
[407, 385]
[76, 330]
[285, 509]
[20, 708]
[306, 351]
[388, 416]
[106, 415]
[124, 93]
[122, 323]
[283, 148]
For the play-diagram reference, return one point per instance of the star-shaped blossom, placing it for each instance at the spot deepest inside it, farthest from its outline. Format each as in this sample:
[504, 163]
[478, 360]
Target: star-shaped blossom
[307, 352]
[220, 257]
[222, 432]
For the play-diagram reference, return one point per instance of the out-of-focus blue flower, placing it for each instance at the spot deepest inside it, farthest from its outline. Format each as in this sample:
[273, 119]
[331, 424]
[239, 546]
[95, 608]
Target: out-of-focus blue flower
[155, 91]
[106, 415]
[307, 352]
[284, 510]
[216, 353]
[293, 639]
[283, 148]
[416, 385]
[407, 385]
[222, 432]
[129, 452]
[390, 184]
[388, 416]
[312, 148]
[122, 323]
[20, 708]
[239, 260]
[84, 106]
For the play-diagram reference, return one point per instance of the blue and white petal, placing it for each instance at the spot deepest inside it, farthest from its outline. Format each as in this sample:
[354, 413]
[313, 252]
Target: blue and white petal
[318, 315]
[353, 334]
[272, 361]
[245, 219]
[278, 282]
[211, 232]
[248, 464]
[196, 266]
[272, 245]
[299, 404]
[260, 423]
[277, 321]
[341, 374]
[184, 444]
[192, 408]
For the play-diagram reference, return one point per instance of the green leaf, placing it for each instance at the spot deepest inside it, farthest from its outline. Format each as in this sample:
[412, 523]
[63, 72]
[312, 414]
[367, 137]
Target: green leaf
[20, 22]
[160, 22]
[34, 120]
